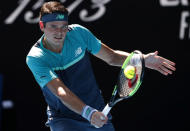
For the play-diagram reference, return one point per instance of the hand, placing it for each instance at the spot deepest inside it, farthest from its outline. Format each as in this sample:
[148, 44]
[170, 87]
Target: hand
[98, 119]
[164, 66]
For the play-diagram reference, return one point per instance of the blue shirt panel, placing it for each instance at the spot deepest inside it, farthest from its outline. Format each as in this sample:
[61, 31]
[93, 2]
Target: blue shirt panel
[72, 66]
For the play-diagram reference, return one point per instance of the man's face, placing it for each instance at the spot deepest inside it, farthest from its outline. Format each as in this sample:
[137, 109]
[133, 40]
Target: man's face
[56, 31]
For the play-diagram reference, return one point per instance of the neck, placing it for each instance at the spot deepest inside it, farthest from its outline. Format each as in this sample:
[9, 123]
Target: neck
[57, 48]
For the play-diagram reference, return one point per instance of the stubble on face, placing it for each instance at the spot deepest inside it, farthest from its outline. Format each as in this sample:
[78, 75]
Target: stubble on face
[55, 33]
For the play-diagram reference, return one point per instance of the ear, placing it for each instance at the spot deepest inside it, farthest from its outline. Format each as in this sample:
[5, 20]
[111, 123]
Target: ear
[41, 25]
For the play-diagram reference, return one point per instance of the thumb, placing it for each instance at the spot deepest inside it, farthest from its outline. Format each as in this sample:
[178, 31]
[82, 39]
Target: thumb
[156, 52]
[103, 118]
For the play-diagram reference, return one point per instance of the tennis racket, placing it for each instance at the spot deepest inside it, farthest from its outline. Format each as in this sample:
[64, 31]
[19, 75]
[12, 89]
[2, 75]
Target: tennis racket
[125, 88]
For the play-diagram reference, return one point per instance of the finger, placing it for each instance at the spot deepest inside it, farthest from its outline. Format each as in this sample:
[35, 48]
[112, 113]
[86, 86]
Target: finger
[156, 52]
[169, 66]
[102, 118]
[165, 70]
[97, 124]
[167, 61]
[161, 71]
[98, 121]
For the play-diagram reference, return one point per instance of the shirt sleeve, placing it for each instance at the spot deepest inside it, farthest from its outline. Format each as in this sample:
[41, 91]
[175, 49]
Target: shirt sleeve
[42, 73]
[92, 43]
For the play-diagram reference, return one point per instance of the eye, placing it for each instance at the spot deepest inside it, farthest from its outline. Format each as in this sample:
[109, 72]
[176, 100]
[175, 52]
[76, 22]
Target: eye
[64, 27]
[53, 26]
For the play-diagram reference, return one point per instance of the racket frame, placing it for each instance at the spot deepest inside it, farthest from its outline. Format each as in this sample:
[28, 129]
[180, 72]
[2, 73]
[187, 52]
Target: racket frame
[113, 101]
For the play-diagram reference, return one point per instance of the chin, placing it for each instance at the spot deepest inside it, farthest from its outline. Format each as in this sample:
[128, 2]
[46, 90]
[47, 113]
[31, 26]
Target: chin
[59, 41]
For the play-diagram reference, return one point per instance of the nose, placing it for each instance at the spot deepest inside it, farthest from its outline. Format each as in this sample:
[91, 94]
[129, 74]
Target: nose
[60, 30]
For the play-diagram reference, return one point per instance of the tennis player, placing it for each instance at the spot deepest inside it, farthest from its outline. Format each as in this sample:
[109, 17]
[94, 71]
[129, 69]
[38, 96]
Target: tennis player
[59, 61]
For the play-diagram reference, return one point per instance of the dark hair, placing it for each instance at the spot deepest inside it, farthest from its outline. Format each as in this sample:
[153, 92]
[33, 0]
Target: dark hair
[52, 7]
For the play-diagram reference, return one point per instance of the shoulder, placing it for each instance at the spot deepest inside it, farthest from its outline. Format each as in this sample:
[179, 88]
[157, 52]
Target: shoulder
[77, 27]
[36, 53]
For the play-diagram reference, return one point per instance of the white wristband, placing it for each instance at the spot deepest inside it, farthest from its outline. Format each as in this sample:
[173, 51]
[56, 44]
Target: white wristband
[87, 112]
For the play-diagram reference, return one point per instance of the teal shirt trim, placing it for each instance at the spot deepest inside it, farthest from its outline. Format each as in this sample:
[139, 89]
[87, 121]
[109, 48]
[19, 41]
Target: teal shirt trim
[43, 62]
[70, 64]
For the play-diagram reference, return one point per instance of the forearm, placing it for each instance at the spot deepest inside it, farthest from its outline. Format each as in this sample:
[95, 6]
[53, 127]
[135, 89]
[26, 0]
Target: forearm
[70, 100]
[118, 58]
[67, 97]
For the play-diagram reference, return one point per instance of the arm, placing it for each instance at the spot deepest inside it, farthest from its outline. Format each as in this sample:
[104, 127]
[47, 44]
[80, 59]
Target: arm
[152, 60]
[70, 100]
[112, 57]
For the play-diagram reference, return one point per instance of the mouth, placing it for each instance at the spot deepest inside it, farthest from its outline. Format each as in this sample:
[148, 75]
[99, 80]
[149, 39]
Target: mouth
[58, 38]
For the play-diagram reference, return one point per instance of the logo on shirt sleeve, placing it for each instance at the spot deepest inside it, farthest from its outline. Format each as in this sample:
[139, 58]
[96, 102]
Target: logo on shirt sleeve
[78, 51]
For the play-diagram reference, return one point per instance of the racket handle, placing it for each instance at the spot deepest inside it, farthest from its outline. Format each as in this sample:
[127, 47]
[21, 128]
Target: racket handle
[106, 110]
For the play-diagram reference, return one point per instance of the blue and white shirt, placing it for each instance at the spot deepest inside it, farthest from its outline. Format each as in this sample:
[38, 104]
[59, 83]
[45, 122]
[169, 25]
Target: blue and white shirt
[72, 66]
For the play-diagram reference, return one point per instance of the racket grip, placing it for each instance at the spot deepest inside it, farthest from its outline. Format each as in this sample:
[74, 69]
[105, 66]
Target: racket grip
[106, 110]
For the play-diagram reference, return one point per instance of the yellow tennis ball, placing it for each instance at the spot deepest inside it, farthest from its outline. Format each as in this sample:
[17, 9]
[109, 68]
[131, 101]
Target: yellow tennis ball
[129, 72]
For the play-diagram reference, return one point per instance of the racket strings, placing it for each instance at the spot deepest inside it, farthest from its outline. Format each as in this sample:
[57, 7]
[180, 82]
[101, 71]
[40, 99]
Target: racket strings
[124, 89]
[126, 86]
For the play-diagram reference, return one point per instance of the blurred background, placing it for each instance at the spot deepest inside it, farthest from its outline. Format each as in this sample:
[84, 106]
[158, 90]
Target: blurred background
[162, 103]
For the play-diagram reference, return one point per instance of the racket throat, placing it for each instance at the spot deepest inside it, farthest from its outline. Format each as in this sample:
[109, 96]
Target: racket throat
[106, 110]
[111, 103]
